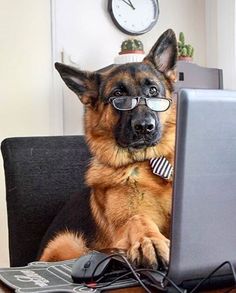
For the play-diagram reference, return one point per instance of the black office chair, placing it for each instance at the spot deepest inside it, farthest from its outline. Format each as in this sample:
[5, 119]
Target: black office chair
[41, 174]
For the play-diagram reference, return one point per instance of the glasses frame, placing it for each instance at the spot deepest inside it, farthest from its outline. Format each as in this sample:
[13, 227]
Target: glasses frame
[138, 98]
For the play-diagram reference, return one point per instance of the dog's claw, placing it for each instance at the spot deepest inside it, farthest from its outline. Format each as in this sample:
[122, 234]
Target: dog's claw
[150, 253]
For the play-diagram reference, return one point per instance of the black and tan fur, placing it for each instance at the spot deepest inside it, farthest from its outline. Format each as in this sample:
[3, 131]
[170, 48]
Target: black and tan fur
[129, 206]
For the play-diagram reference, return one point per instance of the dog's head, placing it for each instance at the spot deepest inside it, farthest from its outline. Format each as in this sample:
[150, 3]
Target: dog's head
[128, 114]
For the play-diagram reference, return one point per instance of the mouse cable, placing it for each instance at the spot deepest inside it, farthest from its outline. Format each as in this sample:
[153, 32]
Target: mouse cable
[98, 264]
[107, 284]
[126, 274]
[165, 278]
[129, 266]
[134, 271]
[213, 272]
[111, 274]
[103, 285]
[164, 275]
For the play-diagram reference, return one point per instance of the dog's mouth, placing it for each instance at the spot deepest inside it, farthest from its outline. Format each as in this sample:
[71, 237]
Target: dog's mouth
[140, 143]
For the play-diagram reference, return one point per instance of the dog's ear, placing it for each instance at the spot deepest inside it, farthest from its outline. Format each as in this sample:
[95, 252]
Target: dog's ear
[164, 54]
[84, 84]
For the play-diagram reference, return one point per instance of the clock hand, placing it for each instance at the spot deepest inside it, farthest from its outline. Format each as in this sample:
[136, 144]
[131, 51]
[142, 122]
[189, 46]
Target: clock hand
[129, 3]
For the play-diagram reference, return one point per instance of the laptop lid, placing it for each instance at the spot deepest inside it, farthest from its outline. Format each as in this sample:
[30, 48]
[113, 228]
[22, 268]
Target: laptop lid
[204, 196]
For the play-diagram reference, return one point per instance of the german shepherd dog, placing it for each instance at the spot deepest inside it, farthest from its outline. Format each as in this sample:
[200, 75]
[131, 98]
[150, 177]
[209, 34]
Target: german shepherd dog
[129, 119]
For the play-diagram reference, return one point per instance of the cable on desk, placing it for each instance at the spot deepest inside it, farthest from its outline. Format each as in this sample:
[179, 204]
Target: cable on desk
[172, 283]
[132, 270]
[134, 273]
[213, 272]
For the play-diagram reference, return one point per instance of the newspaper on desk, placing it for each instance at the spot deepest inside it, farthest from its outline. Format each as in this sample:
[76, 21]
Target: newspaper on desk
[50, 277]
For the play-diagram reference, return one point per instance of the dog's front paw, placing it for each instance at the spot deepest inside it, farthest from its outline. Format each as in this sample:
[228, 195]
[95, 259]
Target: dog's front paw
[146, 246]
[150, 252]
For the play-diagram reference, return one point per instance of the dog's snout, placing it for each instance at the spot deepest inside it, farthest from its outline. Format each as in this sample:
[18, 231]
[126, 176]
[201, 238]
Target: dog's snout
[144, 126]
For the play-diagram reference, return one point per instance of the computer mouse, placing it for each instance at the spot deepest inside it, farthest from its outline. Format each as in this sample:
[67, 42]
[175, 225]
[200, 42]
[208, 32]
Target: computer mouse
[83, 268]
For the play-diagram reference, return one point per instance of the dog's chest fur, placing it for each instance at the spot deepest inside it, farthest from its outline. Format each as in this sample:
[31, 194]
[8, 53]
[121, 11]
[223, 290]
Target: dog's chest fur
[121, 193]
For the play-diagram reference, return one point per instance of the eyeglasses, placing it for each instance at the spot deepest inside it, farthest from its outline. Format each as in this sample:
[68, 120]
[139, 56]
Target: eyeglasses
[126, 103]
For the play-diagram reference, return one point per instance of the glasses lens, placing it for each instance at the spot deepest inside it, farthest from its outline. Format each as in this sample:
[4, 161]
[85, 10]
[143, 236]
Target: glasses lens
[124, 103]
[158, 104]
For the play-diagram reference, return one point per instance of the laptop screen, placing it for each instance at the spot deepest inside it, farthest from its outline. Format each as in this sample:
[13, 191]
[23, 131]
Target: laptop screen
[204, 195]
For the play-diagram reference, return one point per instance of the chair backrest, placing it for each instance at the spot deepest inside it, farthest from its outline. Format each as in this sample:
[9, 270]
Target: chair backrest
[40, 173]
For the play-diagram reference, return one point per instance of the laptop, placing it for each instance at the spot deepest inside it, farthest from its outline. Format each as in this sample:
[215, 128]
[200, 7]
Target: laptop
[203, 233]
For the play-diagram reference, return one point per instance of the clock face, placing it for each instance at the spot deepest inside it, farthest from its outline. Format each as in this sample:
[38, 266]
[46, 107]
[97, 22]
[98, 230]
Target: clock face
[134, 17]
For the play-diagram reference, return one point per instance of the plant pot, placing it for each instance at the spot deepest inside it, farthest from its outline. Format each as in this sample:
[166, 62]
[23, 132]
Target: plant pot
[185, 58]
[131, 52]
[128, 58]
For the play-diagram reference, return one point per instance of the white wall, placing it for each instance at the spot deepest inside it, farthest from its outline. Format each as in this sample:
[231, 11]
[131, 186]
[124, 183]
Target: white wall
[221, 38]
[25, 58]
[25, 80]
[84, 30]
[182, 15]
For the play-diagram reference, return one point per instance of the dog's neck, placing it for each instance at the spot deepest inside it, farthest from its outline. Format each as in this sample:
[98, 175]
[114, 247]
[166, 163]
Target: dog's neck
[98, 174]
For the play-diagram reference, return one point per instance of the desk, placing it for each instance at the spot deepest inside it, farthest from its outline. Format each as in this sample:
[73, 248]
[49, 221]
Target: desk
[4, 289]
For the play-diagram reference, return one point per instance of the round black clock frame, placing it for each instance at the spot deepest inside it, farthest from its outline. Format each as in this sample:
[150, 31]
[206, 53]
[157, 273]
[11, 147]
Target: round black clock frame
[147, 29]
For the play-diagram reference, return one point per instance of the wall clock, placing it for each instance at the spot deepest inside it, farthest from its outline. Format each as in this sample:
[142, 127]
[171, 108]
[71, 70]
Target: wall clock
[134, 17]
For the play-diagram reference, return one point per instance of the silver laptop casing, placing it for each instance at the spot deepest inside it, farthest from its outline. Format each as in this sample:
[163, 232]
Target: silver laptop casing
[204, 196]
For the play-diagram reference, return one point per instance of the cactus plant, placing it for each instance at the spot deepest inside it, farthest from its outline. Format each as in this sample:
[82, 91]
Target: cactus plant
[184, 50]
[131, 46]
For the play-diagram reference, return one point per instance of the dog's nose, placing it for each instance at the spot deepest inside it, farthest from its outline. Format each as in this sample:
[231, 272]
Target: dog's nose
[144, 126]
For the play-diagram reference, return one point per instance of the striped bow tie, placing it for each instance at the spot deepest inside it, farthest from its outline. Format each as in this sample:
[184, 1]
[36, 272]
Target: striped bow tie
[161, 167]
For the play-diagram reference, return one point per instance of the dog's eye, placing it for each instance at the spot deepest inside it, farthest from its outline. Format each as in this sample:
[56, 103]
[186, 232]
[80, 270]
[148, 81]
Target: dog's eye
[117, 93]
[153, 91]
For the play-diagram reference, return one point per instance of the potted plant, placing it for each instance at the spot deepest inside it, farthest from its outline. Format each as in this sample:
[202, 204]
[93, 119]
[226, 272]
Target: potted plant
[132, 46]
[185, 51]
[131, 51]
